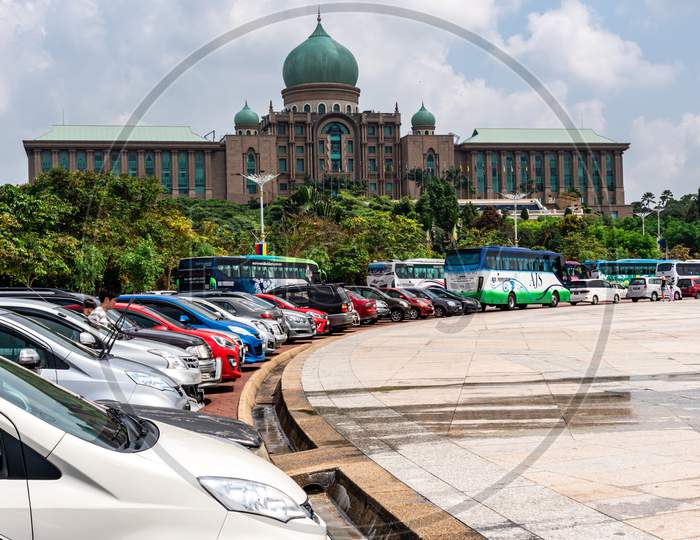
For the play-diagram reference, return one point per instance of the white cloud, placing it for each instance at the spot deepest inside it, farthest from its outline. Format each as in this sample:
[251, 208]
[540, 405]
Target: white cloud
[570, 41]
[663, 155]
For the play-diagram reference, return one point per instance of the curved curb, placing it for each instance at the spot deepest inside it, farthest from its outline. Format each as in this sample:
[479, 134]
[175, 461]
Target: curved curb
[402, 511]
[247, 400]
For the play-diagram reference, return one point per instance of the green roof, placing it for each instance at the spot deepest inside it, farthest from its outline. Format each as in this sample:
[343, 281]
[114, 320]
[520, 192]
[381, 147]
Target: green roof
[320, 59]
[121, 133]
[423, 118]
[536, 136]
[246, 117]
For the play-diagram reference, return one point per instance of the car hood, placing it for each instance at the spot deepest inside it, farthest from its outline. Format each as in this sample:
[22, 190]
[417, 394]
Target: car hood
[131, 365]
[141, 345]
[292, 313]
[174, 339]
[203, 455]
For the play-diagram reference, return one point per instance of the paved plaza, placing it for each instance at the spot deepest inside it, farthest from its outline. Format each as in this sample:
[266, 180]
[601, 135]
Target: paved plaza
[575, 422]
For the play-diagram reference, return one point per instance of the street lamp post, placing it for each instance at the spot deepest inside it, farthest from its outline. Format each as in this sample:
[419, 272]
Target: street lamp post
[515, 197]
[643, 214]
[261, 179]
[658, 211]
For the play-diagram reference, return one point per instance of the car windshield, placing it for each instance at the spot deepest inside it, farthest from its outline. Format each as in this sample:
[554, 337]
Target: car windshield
[116, 318]
[442, 293]
[203, 311]
[422, 294]
[638, 281]
[684, 283]
[40, 329]
[259, 302]
[408, 293]
[61, 409]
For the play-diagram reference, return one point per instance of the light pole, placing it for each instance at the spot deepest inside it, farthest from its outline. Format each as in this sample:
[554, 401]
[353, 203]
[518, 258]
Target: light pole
[261, 179]
[515, 197]
[643, 214]
[658, 211]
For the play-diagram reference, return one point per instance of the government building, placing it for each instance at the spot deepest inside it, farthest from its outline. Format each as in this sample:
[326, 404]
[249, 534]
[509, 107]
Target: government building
[323, 135]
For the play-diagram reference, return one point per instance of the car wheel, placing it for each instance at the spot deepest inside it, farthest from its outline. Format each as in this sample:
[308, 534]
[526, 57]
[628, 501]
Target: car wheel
[413, 314]
[555, 299]
[439, 311]
[616, 300]
[511, 302]
[654, 297]
[396, 315]
[677, 296]
[635, 300]
[697, 296]
[594, 300]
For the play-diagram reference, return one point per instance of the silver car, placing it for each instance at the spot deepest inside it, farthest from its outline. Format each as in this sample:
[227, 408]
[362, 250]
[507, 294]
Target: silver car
[300, 325]
[81, 370]
[177, 364]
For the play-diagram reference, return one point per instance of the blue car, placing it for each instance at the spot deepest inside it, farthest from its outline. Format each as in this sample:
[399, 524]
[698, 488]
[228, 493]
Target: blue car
[198, 316]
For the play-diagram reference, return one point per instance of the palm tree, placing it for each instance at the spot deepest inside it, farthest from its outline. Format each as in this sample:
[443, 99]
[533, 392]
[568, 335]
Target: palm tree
[665, 197]
[648, 199]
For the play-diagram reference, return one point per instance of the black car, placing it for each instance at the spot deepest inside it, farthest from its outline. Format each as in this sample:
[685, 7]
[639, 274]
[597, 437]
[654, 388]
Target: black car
[66, 299]
[444, 306]
[329, 298]
[398, 309]
[469, 305]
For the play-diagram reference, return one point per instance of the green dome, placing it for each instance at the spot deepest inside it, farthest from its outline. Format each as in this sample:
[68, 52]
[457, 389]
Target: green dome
[423, 118]
[320, 59]
[246, 117]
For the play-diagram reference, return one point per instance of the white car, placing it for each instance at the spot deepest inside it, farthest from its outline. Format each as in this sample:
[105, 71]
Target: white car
[650, 287]
[74, 469]
[593, 291]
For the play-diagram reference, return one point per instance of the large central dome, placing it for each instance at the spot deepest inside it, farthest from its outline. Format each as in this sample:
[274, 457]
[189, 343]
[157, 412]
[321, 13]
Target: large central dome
[320, 59]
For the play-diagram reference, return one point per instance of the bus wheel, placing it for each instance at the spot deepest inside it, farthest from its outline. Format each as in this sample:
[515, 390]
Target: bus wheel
[396, 315]
[511, 302]
[616, 300]
[522, 306]
[484, 306]
[555, 299]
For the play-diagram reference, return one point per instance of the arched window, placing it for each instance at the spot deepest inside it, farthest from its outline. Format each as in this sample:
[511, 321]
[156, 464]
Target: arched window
[250, 168]
[348, 109]
[336, 107]
[321, 108]
[430, 163]
[294, 108]
[307, 108]
[247, 132]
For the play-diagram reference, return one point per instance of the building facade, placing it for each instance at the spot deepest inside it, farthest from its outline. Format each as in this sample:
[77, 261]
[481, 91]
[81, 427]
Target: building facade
[322, 135]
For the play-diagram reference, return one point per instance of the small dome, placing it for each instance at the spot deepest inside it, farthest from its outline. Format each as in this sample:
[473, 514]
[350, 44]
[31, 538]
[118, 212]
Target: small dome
[320, 59]
[246, 117]
[423, 118]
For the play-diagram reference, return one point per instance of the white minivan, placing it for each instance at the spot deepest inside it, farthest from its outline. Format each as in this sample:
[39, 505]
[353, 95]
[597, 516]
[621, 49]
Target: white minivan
[72, 469]
[593, 291]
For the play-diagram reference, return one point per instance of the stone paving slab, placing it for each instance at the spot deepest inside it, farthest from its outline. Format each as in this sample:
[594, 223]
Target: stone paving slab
[577, 422]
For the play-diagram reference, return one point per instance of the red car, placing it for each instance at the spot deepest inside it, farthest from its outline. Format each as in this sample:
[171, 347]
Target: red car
[223, 347]
[366, 308]
[320, 317]
[690, 287]
[420, 307]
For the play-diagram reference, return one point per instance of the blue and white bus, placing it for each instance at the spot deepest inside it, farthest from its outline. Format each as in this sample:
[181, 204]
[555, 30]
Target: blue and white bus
[507, 277]
[622, 271]
[408, 273]
[247, 273]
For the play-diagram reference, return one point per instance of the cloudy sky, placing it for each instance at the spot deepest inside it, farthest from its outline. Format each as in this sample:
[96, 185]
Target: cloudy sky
[628, 69]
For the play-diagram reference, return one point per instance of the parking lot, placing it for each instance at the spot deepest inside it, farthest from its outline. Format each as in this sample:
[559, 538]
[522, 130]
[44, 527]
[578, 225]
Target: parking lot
[577, 422]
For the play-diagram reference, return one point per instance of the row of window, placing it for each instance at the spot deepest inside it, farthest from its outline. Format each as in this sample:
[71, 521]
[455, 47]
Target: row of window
[149, 164]
[504, 172]
[322, 108]
[300, 129]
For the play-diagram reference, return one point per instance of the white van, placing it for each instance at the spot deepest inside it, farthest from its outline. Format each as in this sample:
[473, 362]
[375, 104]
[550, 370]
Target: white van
[650, 288]
[593, 291]
[74, 469]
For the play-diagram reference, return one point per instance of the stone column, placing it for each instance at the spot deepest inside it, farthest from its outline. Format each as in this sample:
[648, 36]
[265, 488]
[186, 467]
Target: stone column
[547, 176]
[472, 177]
[71, 160]
[518, 172]
[140, 164]
[591, 195]
[489, 175]
[190, 172]
[605, 195]
[619, 185]
[37, 165]
[207, 175]
[123, 162]
[158, 166]
[54, 158]
[106, 161]
[560, 171]
[90, 160]
[174, 173]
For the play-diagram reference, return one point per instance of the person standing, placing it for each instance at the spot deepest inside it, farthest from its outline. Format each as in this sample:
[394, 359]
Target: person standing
[99, 314]
[89, 306]
[664, 288]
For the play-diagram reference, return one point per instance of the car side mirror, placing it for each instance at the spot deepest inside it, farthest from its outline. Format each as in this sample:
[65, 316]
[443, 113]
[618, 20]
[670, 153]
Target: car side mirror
[184, 319]
[87, 339]
[29, 359]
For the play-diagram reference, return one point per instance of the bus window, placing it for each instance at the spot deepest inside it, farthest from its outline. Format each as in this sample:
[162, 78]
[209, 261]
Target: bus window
[403, 271]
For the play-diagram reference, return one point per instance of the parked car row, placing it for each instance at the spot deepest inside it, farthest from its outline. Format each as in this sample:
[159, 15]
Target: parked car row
[594, 291]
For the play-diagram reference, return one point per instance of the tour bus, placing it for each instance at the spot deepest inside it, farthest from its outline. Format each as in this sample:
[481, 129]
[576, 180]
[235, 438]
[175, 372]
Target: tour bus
[574, 271]
[408, 273]
[674, 270]
[254, 274]
[507, 277]
[622, 270]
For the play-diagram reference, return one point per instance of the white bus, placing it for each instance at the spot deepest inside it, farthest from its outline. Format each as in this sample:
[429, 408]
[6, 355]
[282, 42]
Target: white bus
[507, 277]
[408, 273]
[674, 270]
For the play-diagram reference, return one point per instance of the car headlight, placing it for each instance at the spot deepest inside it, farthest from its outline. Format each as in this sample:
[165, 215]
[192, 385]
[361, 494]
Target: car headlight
[252, 497]
[223, 342]
[199, 351]
[404, 304]
[451, 303]
[174, 361]
[381, 304]
[148, 379]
